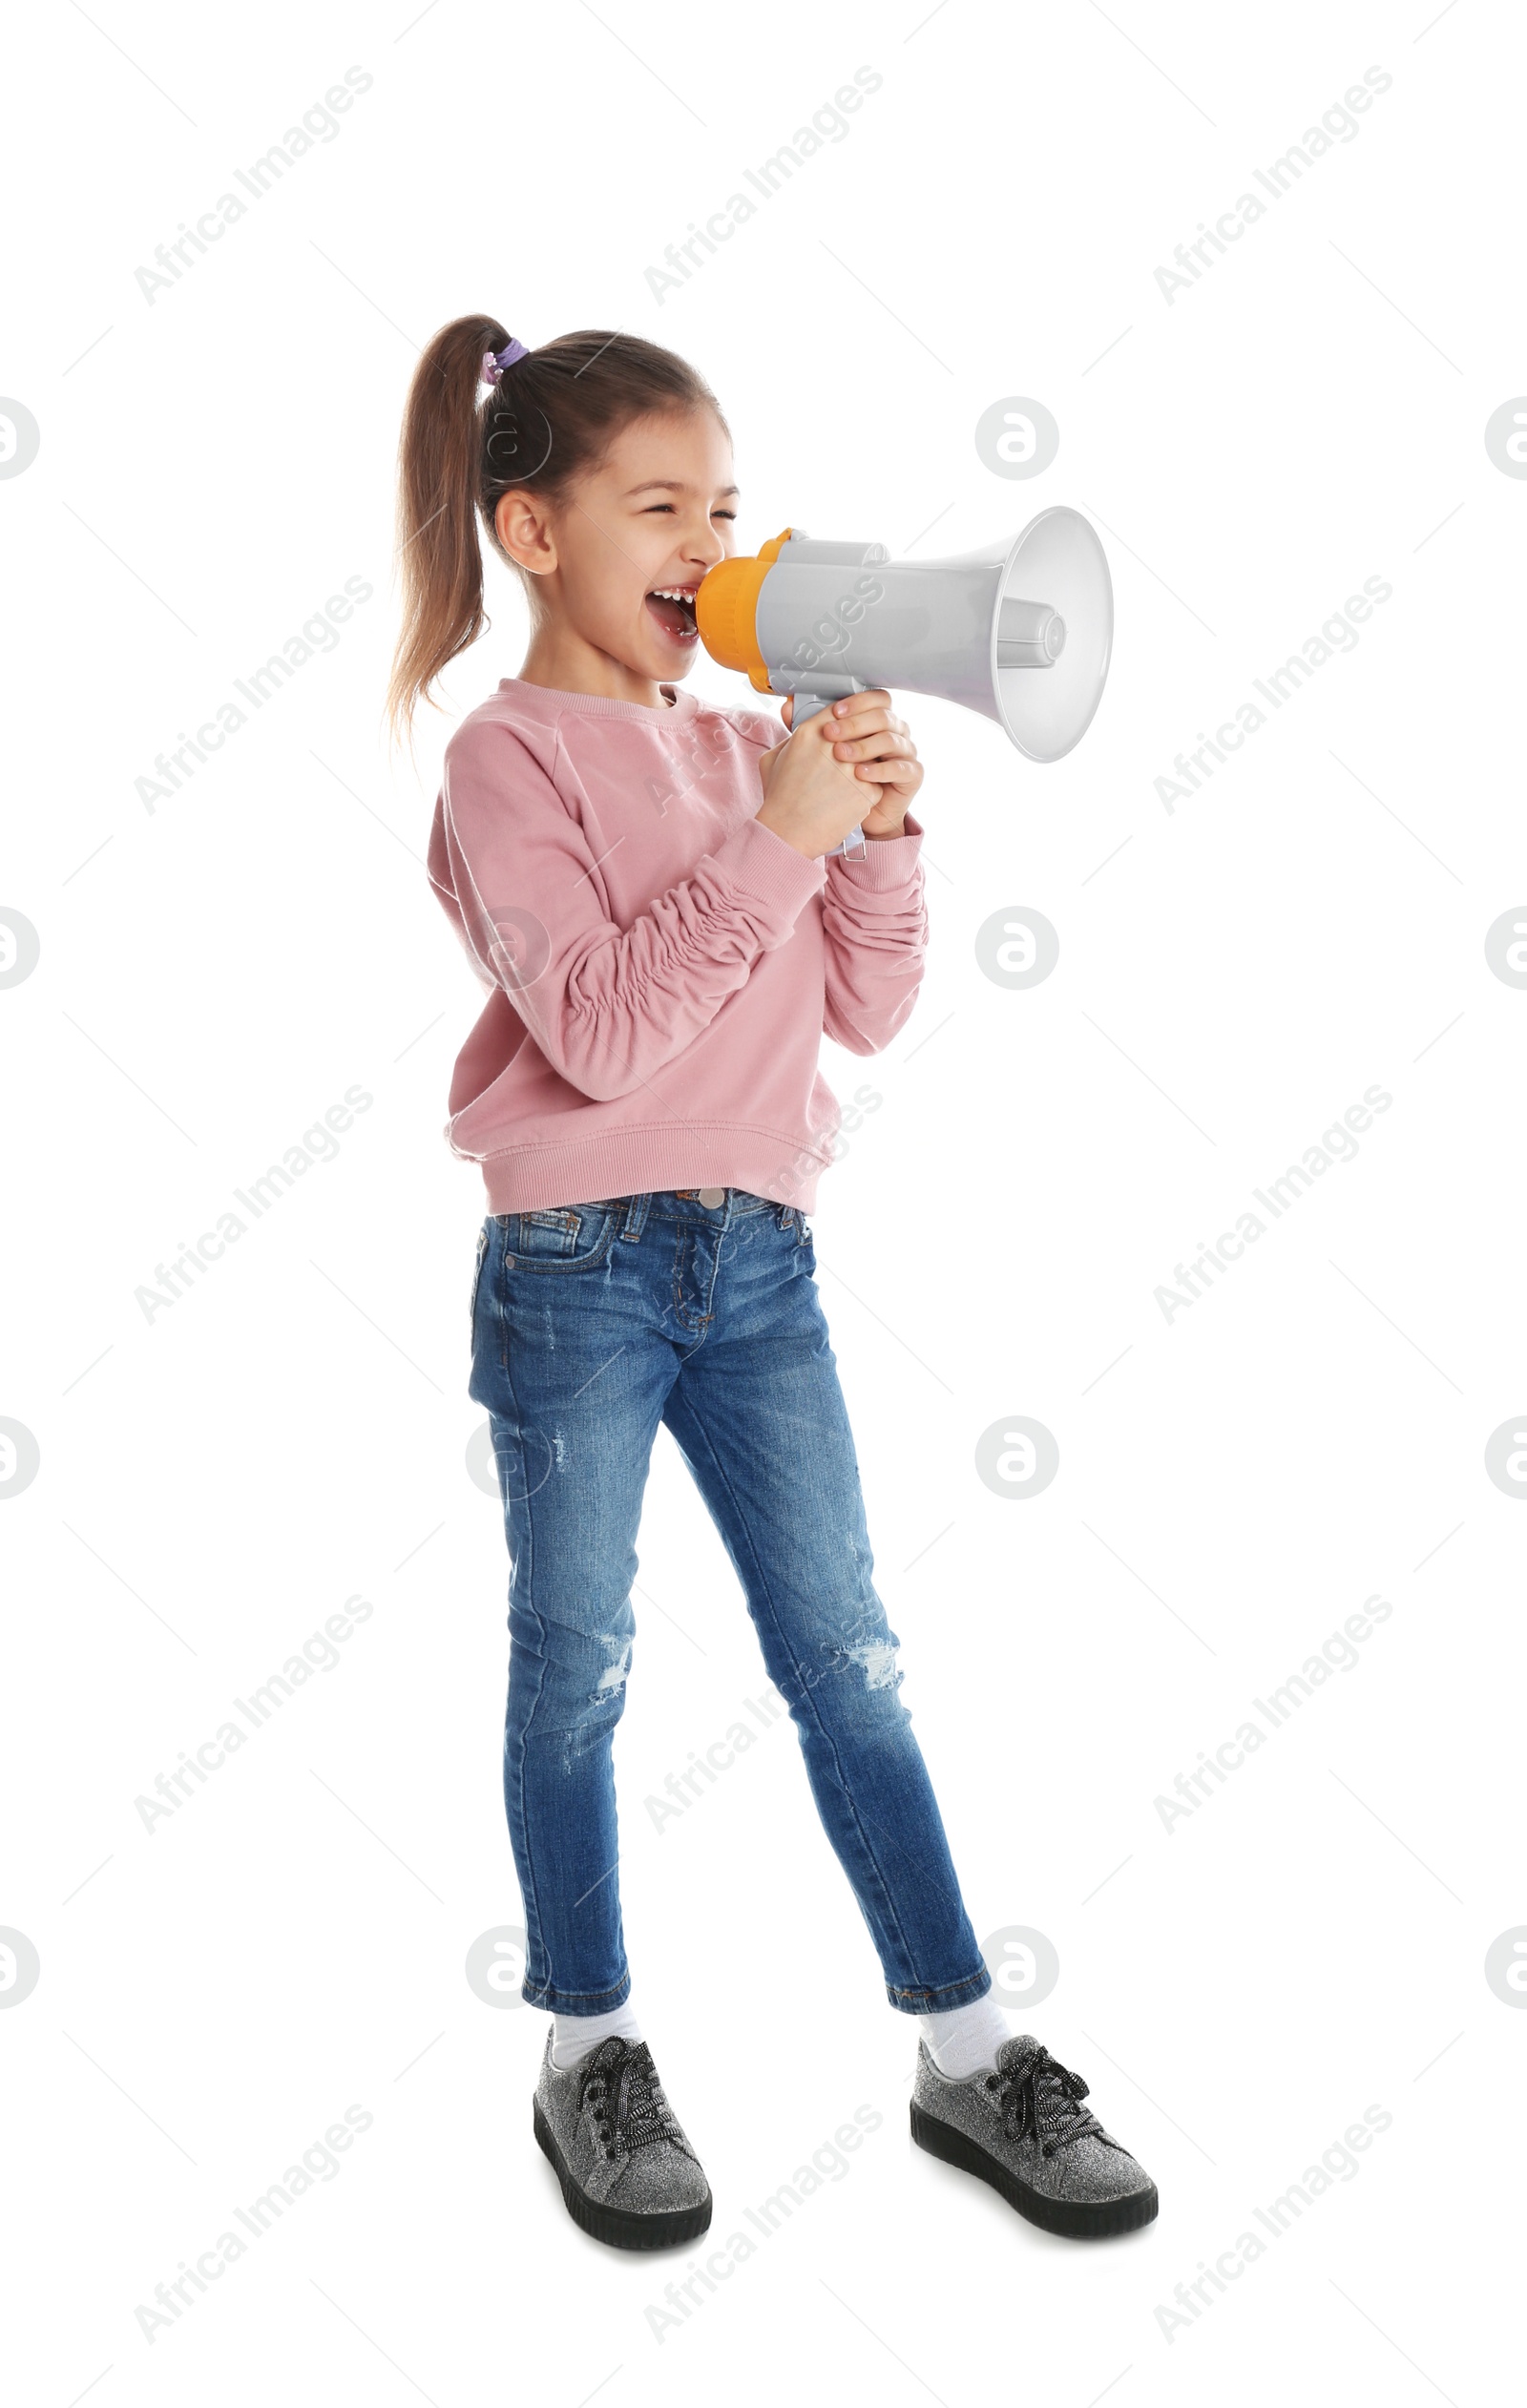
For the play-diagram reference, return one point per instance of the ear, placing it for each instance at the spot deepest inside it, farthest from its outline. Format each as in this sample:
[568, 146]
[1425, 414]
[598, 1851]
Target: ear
[522, 526]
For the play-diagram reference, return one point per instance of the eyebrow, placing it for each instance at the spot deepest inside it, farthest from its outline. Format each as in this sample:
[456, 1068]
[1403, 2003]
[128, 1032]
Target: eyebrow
[670, 485]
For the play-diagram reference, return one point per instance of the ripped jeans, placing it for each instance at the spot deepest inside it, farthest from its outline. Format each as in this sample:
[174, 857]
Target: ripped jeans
[592, 1323]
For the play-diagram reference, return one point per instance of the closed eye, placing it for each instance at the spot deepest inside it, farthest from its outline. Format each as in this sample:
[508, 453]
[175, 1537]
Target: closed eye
[715, 513]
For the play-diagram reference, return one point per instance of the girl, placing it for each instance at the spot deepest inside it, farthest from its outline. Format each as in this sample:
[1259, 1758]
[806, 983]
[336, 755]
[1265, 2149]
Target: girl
[647, 888]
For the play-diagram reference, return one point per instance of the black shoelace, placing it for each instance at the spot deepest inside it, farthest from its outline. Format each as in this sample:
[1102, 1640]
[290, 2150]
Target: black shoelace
[620, 2083]
[1041, 2096]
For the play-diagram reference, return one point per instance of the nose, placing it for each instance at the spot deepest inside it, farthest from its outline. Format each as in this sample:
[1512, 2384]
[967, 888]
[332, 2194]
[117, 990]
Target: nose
[707, 547]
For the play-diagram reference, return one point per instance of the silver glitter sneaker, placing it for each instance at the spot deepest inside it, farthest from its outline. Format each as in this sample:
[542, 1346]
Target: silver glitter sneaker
[629, 2175]
[1023, 2130]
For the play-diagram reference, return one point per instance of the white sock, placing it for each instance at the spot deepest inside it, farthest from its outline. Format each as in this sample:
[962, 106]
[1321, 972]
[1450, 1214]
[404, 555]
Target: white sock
[576, 2035]
[965, 2040]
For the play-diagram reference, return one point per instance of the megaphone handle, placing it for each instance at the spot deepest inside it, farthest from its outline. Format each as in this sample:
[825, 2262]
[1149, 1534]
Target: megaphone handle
[807, 703]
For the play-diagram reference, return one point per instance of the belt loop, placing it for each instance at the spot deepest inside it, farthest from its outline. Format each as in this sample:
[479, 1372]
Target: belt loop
[636, 1216]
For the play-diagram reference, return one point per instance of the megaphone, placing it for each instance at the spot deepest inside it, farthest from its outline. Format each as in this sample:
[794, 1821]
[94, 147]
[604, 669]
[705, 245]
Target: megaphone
[1020, 630]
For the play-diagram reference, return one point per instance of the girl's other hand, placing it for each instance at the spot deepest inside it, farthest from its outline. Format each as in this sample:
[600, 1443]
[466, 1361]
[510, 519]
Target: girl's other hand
[814, 787]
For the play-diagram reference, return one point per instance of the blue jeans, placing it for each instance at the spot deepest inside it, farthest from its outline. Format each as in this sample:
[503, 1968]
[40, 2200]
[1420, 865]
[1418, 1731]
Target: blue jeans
[592, 1323]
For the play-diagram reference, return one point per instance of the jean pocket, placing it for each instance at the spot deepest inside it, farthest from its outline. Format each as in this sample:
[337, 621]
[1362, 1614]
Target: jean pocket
[477, 1277]
[561, 1237]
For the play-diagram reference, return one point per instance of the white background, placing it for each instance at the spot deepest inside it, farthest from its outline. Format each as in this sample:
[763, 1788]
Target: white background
[1233, 1483]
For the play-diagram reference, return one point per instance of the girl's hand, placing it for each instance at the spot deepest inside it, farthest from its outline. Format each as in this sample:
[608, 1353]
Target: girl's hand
[867, 733]
[815, 785]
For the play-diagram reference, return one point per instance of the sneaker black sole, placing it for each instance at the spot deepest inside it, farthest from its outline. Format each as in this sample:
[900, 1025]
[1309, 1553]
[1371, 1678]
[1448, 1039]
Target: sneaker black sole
[620, 2227]
[1074, 2219]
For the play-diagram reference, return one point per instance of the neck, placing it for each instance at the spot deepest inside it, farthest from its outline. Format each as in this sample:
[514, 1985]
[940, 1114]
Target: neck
[559, 657]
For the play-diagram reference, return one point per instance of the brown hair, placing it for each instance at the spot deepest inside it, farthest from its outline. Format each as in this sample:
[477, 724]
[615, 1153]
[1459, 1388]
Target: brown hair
[549, 420]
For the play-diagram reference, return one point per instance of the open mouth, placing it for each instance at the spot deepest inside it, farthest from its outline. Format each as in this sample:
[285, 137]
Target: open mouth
[673, 607]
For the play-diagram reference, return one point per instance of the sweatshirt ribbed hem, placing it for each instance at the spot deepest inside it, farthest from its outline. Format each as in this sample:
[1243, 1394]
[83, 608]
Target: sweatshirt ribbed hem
[631, 1161]
[887, 861]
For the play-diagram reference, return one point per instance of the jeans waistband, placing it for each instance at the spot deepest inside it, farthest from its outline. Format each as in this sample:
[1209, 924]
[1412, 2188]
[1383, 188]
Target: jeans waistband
[684, 1203]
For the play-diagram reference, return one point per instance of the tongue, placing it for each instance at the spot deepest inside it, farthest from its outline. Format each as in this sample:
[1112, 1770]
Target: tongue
[672, 617]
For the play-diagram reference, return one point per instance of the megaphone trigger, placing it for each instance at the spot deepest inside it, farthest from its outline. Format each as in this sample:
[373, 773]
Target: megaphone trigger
[805, 701]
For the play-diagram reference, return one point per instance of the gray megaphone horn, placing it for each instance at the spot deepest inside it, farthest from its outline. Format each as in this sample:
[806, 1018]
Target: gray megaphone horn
[1020, 630]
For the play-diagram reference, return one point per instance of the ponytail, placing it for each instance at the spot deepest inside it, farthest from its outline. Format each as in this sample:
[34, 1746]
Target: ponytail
[548, 420]
[440, 565]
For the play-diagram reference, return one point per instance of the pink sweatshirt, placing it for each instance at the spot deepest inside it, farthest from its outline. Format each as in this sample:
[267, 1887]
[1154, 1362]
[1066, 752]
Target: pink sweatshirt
[659, 968]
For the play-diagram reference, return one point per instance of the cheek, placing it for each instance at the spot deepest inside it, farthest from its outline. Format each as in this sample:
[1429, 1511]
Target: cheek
[603, 603]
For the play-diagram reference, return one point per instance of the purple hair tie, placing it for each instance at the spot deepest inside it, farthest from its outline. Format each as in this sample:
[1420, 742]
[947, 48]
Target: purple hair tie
[495, 363]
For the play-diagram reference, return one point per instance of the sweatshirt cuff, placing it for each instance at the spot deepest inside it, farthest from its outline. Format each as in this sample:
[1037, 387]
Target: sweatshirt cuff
[887, 860]
[762, 863]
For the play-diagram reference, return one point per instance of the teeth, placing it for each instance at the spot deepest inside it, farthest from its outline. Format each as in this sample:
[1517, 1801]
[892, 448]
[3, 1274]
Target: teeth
[674, 593]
